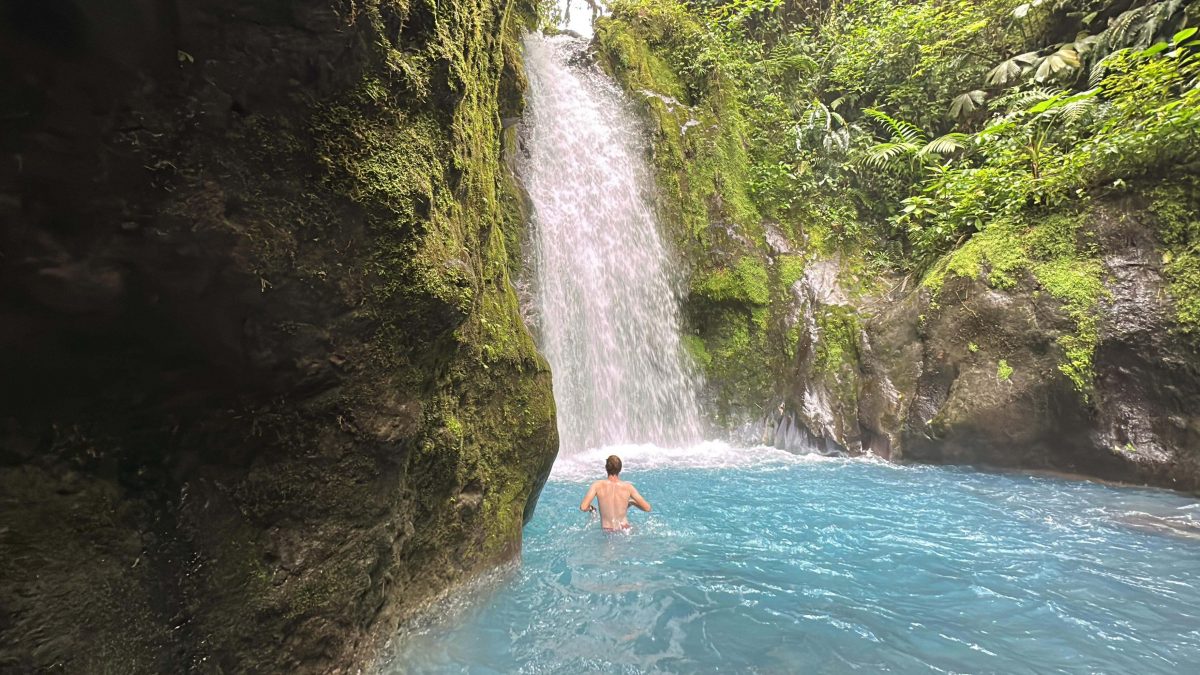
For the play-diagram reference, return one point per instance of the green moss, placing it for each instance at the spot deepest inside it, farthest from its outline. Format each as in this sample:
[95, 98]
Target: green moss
[791, 270]
[1177, 214]
[1004, 371]
[1059, 257]
[746, 282]
[697, 136]
[837, 344]
[730, 349]
[1079, 285]
[1183, 274]
[697, 351]
[445, 219]
[999, 251]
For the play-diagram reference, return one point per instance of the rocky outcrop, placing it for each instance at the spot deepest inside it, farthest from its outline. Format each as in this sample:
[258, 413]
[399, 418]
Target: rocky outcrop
[977, 369]
[266, 386]
[976, 374]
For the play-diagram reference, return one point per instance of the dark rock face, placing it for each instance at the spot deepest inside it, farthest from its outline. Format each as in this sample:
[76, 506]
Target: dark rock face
[266, 382]
[977, 379]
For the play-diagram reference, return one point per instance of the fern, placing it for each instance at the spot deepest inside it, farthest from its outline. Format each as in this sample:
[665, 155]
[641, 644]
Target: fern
[888, 155]
[1020, 100]
[908, 144]
[901, 130]
[944, 145]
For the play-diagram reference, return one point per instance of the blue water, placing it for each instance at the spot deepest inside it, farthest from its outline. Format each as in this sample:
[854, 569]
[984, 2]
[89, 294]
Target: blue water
[781, 565]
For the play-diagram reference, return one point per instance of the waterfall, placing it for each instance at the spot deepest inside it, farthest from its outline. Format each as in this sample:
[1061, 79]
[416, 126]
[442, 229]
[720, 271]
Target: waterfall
[607, 315]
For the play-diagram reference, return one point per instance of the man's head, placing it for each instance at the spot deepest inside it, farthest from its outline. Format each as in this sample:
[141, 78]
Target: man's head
[612, 465]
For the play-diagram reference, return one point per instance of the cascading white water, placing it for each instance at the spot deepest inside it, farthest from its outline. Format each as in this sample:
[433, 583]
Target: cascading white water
[608, 318]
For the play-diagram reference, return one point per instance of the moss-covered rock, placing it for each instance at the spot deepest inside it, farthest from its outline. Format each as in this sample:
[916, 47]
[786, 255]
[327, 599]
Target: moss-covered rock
[738, 300]
[1074, 362]
[271, 388]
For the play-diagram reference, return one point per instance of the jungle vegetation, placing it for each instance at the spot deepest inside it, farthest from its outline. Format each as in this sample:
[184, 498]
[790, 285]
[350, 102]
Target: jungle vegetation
[928, 138]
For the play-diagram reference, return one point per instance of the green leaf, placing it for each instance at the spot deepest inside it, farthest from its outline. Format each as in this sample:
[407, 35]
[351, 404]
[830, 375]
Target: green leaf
[1154, 49]
[965, 104]
[1046, 104]
[1009, 70]
[1183, 35]
[944, 145]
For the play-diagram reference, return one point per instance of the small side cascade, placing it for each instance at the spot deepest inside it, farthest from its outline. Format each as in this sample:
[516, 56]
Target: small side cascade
[783, 430]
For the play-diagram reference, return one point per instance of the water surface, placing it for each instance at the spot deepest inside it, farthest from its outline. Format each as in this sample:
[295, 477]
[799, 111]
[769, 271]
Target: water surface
[761, 561]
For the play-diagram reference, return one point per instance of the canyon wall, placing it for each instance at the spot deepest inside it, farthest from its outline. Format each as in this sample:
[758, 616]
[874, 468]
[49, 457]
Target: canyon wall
[266, 384]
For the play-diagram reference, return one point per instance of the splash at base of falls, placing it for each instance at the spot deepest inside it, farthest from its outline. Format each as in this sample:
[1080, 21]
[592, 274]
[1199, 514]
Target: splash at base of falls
[606, 299]
[704, 455]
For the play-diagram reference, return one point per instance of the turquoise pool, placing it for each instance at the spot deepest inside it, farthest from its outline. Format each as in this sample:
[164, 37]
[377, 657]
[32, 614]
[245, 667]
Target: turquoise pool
[759, 561]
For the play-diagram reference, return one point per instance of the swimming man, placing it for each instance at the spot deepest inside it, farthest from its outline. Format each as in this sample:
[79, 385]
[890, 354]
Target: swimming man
[615, 496]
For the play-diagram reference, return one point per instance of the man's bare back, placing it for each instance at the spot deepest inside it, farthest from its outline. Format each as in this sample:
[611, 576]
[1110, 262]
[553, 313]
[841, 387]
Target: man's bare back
[614, 496]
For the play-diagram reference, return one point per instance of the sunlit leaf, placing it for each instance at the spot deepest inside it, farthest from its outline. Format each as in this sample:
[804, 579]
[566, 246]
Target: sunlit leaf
[965, 104]
[1009, 70]
[1154, 49]
[1060, 62]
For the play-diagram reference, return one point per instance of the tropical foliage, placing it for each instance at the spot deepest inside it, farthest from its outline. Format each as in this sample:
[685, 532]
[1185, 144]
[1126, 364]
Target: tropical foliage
[904, 128]
[946, 136]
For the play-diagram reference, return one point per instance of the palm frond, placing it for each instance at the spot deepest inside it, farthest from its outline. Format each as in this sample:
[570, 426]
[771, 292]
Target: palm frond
[902, 131]
[1061, 62]
[1010, 70]
[965, 104]
[1140, 27]
[888, 155]
[944, 145]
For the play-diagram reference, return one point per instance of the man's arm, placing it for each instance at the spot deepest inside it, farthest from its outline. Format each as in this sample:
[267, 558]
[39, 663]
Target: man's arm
[586, 504]
[636, 499]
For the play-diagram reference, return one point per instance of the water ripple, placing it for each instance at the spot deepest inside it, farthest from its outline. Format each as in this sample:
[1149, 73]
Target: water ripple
[764, 563]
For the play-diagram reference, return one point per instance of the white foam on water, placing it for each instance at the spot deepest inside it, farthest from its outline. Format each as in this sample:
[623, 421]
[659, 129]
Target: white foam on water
[589, 463]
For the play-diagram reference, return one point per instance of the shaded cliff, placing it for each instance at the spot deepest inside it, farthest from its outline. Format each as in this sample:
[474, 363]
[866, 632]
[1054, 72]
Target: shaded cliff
[266, 382]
